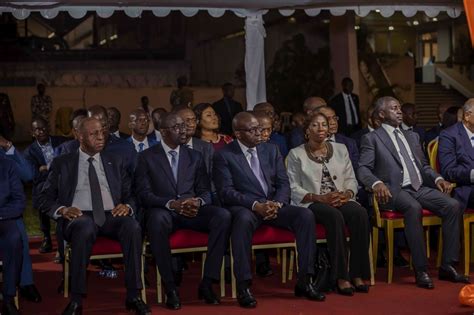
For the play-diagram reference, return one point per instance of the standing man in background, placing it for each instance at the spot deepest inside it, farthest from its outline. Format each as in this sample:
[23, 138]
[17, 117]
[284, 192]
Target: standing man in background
[227, 108]
[346, 106]
[41, 104]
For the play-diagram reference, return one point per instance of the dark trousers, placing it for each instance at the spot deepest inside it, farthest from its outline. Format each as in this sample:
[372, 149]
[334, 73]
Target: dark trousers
[26, 277]
[45, 224]
[210, 219]
[334, 220]
[82, 233]
[410, 203]
[11, 248]
[296, 219]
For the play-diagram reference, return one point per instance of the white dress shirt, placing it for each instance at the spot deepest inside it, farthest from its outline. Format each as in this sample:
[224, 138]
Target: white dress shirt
[406, 127]
[116, 133]
[190, 143]
[158, 135]
[348, 104]
[470, 135]
[136, 143]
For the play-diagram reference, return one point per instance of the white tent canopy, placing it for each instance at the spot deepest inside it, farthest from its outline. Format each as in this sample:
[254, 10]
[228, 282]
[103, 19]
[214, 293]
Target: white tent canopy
[251, 10]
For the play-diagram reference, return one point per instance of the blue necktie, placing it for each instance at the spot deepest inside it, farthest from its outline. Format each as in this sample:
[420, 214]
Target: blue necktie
[174, 164]
[140, 147]
[255, 166]
[472, 141]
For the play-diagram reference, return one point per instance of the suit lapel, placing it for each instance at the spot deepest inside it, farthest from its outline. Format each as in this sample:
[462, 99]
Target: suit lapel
[387, 141]
[466, 142]
[411, 143]
[183, 164]
[262, 154]
[110, 175]
[242, 160]
[39, 154]
[72, 171]
[165, 164]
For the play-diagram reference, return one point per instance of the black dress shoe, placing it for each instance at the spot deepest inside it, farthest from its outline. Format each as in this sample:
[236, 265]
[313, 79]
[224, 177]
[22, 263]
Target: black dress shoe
[423, 280]
[205, 293]
[46, 246]
[264, 270]
[345, 291]
[9, 308]
[172, 300]
[73, 309]
[309, 291]
[30, 292]
[450, 274]
[178, 277]
[246, 299]
[362, 288]
[138, 306]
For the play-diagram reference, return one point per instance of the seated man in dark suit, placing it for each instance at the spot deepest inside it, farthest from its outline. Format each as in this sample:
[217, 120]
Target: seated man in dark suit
[456, 156]
[357, 136]
[138, 123]
[393, 165]
[434, 132]
[252, 182]
[40, 154]
[89, 192]
[346, 106]
[156, 117]
[226, 108]
[409, 120]
[174, 187]
[114, 123]
[273, 137]
[12, 204]
[296, 135]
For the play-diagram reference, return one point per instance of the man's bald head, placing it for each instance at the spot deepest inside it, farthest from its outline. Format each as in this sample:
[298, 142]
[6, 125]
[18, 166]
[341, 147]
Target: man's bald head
[312, 103]
[241, 120]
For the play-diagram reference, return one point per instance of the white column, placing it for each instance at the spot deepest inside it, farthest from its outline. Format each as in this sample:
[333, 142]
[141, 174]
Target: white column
[255, 60]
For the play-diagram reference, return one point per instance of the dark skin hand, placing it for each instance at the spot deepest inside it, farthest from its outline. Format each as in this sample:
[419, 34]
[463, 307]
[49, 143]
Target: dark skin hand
[70, 213]
[267, 210]
[382, 193]
[121, 210]
[444, 186]
[187, 207]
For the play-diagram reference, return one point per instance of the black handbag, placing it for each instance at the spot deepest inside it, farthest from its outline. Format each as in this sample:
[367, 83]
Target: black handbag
[322, 270]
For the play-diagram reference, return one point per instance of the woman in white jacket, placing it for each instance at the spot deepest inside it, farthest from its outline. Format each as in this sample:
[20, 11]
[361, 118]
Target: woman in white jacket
[322, 179]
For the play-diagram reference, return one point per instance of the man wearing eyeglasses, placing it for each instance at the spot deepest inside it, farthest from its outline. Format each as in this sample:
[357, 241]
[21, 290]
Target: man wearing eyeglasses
[174, 187]
[253, 185]
[138, 123]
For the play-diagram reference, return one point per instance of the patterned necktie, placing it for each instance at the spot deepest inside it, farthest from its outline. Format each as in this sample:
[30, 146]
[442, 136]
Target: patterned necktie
[96, 195]
[174, 164]
[472, 141]
[414, 179]
[255, 166]
[141, 146]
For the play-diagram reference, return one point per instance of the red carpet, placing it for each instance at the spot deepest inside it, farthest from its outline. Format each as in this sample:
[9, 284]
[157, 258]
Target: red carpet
[106, 296]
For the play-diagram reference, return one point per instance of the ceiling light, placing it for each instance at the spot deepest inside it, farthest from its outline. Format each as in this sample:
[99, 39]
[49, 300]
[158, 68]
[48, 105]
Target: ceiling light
[326, 21]
[415, 22]
[51, 35]
[378, 11]
[391, 28]
[435, 19]
[292, 20]
[115, 36]
[102, 42]
[357, 27]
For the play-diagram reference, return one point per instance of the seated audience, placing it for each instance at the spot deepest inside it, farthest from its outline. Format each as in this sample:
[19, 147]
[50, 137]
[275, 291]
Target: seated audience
[114, 123]
[322, 179]
[297, 120]
[433, 132]
[89, 193]
[456, 156]
[40, 154]
[208, 126]
[155, 117]
[296, 135]
[226, 108]
[253, 185]
[138, 123]
[12, 204]
[174, 186]
[145, 105]
[409, 119]
[272, 137]
[392, 164]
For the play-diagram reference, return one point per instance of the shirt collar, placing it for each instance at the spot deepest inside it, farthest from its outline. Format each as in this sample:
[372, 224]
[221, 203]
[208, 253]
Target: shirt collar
[345, 94]
[389, 129]
[48, 144]
[244, 148]
[168, 149]
[405, 127]
[469, 133]
[83, 156]
[190, 143]
[136, 142]
[116, 133]
[332, 138]
[370, 128]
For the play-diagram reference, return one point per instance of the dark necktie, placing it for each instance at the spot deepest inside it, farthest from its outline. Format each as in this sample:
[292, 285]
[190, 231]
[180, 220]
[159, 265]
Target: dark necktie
[255, 166]
[414, 179]
[354, 120]
[174, 164]
[96, 195]
[141, 146]
[472, 141]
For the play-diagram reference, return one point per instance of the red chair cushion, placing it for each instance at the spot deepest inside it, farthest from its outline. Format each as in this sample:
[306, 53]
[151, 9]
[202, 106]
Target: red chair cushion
[188, 239]
[106, 246]
[469, 211]
[392, 215]
[321, 232]
[271, 235]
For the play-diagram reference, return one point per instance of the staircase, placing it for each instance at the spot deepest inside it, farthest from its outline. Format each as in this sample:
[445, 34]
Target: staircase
[427, 98]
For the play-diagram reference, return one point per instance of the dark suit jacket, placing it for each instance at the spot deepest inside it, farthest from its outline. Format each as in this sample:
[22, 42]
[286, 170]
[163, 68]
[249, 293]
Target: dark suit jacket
[227, 114]
[35, 158]
[295, 138]
[24, 168]
[151, 140]
[62, 181]
[12, 197]
[236, 183]
[432, 134]
[114, 145]
[351, 146]
[155, 184]
[123, 135]
[421, 134]
[280, 141]
[337, 103]
[456, 159]
[357, 136]
[379, 160]
[207, 151]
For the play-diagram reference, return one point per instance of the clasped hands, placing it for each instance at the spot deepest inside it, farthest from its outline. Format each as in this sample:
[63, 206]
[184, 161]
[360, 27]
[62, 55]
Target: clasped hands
[267, 210]
[71, 213]
[188, 207]
[335, 199]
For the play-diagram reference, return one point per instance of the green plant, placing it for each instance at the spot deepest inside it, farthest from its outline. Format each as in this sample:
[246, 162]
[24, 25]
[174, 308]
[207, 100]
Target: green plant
[297, 73]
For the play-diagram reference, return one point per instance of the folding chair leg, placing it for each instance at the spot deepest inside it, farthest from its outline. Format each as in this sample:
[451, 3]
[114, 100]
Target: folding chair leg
[292, 262]
[440, 247]
[223, 277]
[472, 247]
[283, 267]
[66, 272]
[375, 247]
[202, 264]
[467, 247]
[16, 300]
[233, 284]
[159, 292]
[389, 245]
[371, 263]
[427, 236]
[278, 256]
[143, 277]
